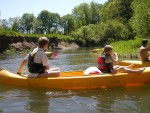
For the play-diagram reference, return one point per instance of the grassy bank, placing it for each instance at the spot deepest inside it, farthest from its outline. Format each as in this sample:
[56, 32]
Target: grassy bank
[8, 37]
[124, 48]
[129, 47]
[13, 34]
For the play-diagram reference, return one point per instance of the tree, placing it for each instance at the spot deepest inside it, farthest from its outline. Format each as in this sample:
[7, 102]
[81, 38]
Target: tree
[15, 25]
[54, 22]
[114, 30]
[140, 21]
[48, 20]
[37, 27]
[95, 9]
[5, 24]
[117, 9]
[67, 23]
[43, 19]
[81, 15]
[26, 23]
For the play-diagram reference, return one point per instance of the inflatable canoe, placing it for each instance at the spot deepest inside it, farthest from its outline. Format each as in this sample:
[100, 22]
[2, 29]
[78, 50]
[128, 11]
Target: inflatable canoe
[77, 80]
[137, 64]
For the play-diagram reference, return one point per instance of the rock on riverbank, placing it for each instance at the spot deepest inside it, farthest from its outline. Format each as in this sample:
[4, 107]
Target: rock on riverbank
[20, 43]
[20, 46]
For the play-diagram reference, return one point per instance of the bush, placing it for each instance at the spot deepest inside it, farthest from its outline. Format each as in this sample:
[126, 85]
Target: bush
[93, 35]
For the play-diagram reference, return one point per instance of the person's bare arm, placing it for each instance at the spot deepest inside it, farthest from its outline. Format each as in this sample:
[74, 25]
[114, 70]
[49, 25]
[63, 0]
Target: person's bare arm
[21, 66]
[115, 59]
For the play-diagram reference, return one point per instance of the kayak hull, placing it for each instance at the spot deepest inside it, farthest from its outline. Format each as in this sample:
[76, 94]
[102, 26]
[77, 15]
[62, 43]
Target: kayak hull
[77, 80]
[137, 64]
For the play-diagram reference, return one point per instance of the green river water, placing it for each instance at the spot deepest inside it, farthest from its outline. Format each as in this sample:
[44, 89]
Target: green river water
[37, 100]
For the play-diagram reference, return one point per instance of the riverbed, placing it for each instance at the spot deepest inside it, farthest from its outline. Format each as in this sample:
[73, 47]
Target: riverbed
[39, 100]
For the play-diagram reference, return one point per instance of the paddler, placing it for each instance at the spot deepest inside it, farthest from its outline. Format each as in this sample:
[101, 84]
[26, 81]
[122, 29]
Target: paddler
[37, 60]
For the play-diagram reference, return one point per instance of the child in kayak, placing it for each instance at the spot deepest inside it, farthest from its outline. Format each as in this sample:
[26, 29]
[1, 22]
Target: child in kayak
[108, 59]
[37, 60]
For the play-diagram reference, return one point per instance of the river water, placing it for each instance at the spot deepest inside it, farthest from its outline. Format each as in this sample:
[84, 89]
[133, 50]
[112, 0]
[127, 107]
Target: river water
[37, 100]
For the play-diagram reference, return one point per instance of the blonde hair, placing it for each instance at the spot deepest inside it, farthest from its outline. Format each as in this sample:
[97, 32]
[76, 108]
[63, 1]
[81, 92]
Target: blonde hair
[42, 41]
[107, 48]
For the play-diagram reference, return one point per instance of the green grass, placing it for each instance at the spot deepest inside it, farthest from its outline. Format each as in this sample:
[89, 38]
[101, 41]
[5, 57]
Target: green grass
[12, 34]
[129, 47]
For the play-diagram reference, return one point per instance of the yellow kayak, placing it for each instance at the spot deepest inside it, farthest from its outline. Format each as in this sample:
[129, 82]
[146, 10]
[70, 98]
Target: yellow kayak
[77, 80]
[137, 64]
[97, 50]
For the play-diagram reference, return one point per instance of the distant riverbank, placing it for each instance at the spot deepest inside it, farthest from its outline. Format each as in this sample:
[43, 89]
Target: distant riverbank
[19, 42]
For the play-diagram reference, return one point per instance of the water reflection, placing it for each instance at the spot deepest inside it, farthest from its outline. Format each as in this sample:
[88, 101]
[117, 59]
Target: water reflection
[34, 100]
[39, 102]
[13, 100]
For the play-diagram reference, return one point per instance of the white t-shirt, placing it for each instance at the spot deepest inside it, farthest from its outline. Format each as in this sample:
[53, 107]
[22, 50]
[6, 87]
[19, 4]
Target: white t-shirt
[40, 57]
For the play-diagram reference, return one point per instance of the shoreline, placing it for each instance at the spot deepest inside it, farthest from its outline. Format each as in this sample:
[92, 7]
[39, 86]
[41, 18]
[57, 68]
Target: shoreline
[20, 43]
[20, 46]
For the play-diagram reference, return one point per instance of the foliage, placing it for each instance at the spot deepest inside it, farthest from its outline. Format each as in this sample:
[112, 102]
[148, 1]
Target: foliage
[48, 21]
[86, 35]
[12, 34]
[140, 21]
[81, 15]
[117, 9]
[95, 10]
[26, 23]
[4, 24]
[15, 24]
[85, 14]
[93, 35]
[67, 23]
[89, 24]
[127, 47]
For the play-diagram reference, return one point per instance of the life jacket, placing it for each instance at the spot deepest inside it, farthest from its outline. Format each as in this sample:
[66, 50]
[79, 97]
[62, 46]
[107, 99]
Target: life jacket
[35, 67]
[104, 67]
[101, 63]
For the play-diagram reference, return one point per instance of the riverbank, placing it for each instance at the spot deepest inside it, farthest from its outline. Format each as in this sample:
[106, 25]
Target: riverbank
[19, 42]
